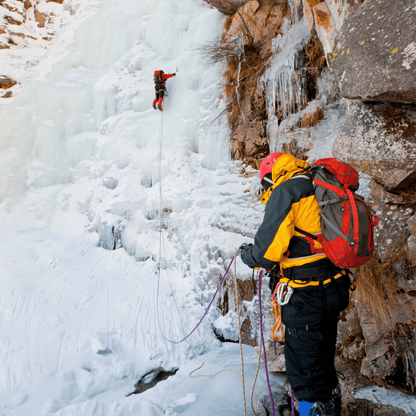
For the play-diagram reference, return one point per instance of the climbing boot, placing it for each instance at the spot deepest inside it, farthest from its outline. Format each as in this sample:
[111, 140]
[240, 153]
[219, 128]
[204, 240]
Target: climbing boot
[154, 106]
[159, 107]
[323, 409]
[336, 396]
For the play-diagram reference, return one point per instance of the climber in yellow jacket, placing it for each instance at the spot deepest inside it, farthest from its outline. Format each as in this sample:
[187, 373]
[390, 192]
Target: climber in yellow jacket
[320, 289]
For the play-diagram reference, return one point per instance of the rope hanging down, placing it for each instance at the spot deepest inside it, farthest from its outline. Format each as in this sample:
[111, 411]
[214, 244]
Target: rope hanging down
[212, 300]
[161, 243]
[160, 247]
[237, 304]
[262, 341]
[160, 250]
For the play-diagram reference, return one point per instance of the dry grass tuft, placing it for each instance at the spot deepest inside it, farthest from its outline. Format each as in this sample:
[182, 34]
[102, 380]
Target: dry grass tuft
[314, 53]
[377, 288]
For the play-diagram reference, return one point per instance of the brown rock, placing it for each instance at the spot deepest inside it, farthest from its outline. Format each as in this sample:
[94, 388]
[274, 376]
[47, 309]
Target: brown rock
[376, 347]
[41, 18]
[324, 26]
[308, 6]
[20, 35]
[391, 232]
[227, 301]
[381, 194]
[256, 21]
[410, 249]
[275, 361]
[362, 407]
[231, 6]
[251, 138]
[12, 21]
[342, 9]
[6, 82]
[411, 225]
[55, 1]
[350, 328]
[7, 95]
[3, 46]
[375, 54]
[380, 140]
[226, 7]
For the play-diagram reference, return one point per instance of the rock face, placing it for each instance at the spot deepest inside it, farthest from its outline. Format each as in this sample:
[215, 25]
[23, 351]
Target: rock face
[325, 26]
[6, 82]
[361, 407]
[361, 55]
[256, 20]
[230, 7]
[23, 24]
[380, 140]
[375, 52]
[342, 9]
[226, 7]
[248, 37]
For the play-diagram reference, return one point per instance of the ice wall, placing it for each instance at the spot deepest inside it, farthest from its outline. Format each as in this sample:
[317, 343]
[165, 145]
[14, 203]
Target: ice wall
[92, 101]
[285, 91]
[82, 153]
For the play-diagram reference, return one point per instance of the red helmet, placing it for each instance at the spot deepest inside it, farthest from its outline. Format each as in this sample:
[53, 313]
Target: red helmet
[267, 164]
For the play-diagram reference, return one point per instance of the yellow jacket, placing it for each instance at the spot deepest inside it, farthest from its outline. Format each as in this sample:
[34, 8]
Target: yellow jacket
[289, 202]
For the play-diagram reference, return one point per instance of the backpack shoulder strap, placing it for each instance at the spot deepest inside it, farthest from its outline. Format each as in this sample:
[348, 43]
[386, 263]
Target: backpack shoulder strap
[299, 230]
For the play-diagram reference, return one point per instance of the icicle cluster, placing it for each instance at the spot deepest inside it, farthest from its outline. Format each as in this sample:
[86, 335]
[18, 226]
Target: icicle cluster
[285, 82]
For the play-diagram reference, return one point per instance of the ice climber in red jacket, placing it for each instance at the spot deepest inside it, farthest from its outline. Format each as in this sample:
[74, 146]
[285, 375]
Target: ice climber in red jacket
[160, 83]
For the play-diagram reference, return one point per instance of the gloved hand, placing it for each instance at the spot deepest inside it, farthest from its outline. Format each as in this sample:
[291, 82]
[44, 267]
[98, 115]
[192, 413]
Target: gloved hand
[243, 247]
[274, 278]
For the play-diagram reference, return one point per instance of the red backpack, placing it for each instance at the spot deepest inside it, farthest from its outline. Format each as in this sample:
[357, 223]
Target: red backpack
[347, 221]
[158, 77]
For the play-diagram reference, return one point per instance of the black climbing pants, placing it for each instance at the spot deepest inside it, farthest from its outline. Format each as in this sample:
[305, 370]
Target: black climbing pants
[311, 319]
[160, 94]
[310, 356]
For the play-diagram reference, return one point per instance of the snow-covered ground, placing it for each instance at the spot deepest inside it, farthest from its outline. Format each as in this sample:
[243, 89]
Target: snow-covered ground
[82, 153]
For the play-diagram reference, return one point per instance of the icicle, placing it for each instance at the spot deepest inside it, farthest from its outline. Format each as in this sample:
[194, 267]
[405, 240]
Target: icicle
[240, 52]
[237, 92]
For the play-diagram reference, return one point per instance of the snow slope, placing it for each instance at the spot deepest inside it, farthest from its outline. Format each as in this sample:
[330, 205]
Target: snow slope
[86, 165]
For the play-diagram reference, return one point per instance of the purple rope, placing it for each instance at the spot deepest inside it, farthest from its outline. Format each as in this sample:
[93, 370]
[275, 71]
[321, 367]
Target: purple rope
[264, 348]
[212, 300]
[274, 347]
[292, 402]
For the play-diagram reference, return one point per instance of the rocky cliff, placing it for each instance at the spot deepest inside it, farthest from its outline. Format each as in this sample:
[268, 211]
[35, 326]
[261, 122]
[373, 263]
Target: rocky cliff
[25, 24]
[342, 72]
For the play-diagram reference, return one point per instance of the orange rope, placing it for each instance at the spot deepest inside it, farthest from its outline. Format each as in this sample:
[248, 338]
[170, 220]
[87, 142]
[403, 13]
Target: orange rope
[255, 380]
